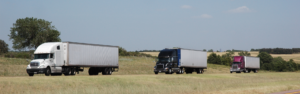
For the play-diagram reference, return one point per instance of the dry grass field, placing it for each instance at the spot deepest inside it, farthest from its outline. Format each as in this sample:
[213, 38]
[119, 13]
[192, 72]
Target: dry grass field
[136, 76]
[295, 57]
[250, 83]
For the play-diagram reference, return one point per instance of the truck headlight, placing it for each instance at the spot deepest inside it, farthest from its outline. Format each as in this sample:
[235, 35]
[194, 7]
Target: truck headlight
[42, 66]
[28, 66]
[166, 68]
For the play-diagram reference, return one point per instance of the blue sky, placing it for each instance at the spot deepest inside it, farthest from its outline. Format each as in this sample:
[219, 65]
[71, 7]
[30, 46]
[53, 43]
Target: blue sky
[157, 24]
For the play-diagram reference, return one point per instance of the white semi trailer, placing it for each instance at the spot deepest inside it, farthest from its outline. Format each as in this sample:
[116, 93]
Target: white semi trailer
[68, 58]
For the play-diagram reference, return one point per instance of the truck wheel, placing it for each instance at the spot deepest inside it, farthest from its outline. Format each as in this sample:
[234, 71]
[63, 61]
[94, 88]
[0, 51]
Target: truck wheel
[91, 71]
[230, 71]
[199, 71]
[246, 71]
[73, 72]
[179, 72]
[68, 72]
[156, 72]
[30, 74]
[48, 71]
[255, 71]
[104, 72]
[182, 71]
[170, 71]
[109, 72]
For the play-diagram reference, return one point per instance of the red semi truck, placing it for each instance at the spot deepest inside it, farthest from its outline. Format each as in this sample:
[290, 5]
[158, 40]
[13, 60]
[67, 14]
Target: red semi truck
[245, 64]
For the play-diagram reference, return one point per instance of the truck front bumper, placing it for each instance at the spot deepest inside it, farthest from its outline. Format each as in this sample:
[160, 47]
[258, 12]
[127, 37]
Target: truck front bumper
[160, 70]
[236, 70]
[36, 71]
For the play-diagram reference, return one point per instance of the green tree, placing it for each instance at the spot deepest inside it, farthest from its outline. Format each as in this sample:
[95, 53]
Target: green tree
[204, 49]
[244, 53]
[31, 32]
[226, 61]
[123, 52]
[3, 47]
[265, 57]
[214, 59]
[211, 50]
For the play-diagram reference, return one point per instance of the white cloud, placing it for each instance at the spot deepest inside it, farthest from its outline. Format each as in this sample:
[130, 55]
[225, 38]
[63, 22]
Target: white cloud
[241, 9]
[186, 7]
[203, 16]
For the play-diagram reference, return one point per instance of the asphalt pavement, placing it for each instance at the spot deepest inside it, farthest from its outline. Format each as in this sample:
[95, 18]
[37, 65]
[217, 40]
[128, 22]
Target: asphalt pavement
[289, 92]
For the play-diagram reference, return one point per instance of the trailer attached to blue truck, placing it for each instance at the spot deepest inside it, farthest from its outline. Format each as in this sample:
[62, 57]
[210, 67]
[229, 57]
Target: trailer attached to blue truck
[181, 60]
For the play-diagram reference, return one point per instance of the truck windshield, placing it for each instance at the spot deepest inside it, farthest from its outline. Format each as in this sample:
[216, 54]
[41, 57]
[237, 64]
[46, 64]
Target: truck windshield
[163, 60]
[41, 56]
[236, 63]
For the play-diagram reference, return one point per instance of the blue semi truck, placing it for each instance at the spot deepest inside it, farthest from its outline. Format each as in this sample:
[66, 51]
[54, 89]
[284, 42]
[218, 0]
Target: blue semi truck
[180, 60]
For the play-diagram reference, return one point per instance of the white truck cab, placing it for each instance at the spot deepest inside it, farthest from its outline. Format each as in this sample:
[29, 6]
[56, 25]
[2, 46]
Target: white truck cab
[46, 59]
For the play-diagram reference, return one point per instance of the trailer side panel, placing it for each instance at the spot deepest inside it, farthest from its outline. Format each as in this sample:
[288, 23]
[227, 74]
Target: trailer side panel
[252, 62]
[92, 55]
[193, 58]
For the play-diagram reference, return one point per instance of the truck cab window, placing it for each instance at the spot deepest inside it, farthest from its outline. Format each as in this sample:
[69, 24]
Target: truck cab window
[58, 47]
[51, 55]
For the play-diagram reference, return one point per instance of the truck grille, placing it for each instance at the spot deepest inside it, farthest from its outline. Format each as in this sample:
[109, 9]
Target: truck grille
[34, 64]
[234, 67]
[159, 66]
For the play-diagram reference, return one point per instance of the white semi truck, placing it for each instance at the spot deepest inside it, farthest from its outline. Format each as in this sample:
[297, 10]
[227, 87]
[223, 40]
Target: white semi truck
[180, 60]
[68, 58]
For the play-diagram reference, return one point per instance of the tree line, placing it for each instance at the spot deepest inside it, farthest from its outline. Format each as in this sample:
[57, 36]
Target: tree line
[267, 62]
[149, 51]
[278, 50]
[123, 52]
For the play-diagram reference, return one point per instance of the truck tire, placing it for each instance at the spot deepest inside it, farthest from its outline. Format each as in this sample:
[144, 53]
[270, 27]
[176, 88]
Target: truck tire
[182, 71]
[246, 71]
[156, 72]
[170, 71]
[255, 71]
[48, 71]
[199, 71]
[68, 72]
[109, 71]
[73, 72]
[91, 71]
[30, 74]
[179, 72]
